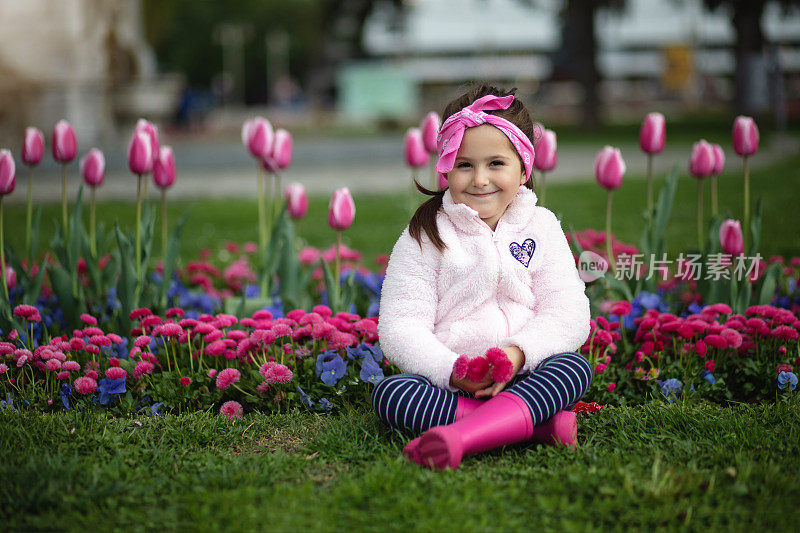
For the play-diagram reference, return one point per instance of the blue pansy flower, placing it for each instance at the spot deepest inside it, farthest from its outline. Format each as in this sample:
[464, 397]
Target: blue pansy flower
[365, 350]
[304, 397]
[787, 378]
[708, 376]
[65, 393]
[106, 387]
[370, 371]
[331, 367]
[670, 388]
[155, 409]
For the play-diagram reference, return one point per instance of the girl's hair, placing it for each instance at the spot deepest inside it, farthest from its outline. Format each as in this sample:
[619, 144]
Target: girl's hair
[425, 216]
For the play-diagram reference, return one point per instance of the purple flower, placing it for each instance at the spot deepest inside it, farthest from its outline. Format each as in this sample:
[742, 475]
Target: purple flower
[668, 387]
[785, 378]
[371, 372]
[708, 376]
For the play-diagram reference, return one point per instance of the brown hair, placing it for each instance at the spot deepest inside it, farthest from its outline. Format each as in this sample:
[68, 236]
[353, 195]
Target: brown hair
[425, 216]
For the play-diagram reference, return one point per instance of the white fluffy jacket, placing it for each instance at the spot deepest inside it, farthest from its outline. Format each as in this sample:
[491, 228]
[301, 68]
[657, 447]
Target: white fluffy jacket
[516, 286]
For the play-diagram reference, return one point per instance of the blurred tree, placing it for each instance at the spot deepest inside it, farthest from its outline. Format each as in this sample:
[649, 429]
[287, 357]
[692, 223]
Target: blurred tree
[749, 49]
[182, 33]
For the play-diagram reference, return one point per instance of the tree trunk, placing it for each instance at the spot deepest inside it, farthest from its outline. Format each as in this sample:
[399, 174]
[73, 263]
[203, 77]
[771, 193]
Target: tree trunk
[752, 95]
[581, 42]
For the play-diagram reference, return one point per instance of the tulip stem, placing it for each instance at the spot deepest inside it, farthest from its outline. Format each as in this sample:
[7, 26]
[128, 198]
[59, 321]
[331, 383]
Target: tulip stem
[700, 215]
[64, 202]
[29, 218]
[746, 229]
[92, 233]
[713, 196]
[262, 230]
[3, 255]
[338, 267]
[277, 196]
[544, 188]
[138, 232]
[164, 227]
[610, 256]
[650, 197]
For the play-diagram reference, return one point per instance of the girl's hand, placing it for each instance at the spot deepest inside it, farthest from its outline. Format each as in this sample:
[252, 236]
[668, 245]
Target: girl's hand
[517, 359]
[470, 386]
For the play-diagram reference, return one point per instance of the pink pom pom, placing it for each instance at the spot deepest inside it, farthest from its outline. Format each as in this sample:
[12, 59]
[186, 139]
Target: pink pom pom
[461, 366]
[478, 368]
[495, 354]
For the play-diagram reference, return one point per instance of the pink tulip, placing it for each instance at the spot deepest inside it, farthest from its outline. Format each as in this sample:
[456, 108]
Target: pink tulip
[653, 133]
[609, 168]
[93, 167]
[282, 151]
[258, 137]
[8, 172]
[703, 159]
[442, 182]
[430, 131]
[33, 147]
[65, 145]
[719, 159]
[140, 153]
[341, 210]
[416, 156]
[745, 136]
[731, 238]
[296, 200]
[152, 132]
[546, 154]
[164, 171]
[11, 278]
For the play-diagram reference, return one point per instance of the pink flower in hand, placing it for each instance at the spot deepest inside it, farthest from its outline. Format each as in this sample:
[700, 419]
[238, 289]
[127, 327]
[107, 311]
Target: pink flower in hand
[478, 368]
[461, 366]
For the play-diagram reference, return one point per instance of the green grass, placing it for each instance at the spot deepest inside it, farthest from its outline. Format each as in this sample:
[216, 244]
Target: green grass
[664, 467]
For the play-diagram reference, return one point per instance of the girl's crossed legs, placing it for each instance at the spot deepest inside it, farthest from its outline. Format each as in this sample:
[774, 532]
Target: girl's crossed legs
[411, 402]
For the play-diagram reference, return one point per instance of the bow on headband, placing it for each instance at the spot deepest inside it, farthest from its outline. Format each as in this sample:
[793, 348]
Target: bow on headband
[452, 132]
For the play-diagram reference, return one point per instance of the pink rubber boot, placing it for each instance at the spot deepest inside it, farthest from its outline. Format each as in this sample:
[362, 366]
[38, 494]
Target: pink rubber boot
[464, 406]
[504, 419]
[560, 429]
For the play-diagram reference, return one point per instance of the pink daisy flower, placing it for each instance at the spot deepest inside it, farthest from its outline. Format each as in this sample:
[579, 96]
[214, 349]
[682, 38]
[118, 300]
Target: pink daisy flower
[186, 381]
[52, 364]
[116, 372]
[228, 377]
[3, 368]
[231, 409]
[92, 330]
[72, 366]
[175, 311]
[212, 372]
[278, 373]
[215, 349]
[142, 368]
[63, 375]
[136, 314]
[85, 385]
[88, 319]
[25, 311]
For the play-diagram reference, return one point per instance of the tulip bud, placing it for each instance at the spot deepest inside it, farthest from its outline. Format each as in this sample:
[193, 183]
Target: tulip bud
[296, 200]
[609, 168]
[416, 156]
[258, 137]
[65, 145]
[703, 159]
[546, 155]
[730, 237]
[653, 133]
[282, 151]
[33, 147]
[341, 210]
[745, 136]
[719, 159]
[442, 181]
[164, 171]
[11, 277]
[8, 172]
[152, 133]
[140, 153]
[430, 131]
[93, 167]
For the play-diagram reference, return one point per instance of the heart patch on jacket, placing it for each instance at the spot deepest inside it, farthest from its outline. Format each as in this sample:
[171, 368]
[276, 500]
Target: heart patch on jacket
[524, 252]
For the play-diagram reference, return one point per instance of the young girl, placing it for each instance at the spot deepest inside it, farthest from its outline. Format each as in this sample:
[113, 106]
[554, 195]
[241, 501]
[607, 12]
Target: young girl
[482, 266]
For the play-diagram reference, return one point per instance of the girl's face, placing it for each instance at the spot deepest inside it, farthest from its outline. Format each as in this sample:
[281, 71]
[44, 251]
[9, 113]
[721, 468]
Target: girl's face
[487, 173]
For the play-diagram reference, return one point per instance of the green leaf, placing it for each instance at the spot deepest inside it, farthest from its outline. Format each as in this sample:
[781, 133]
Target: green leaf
[330, 287]
[769, 283]
[126, 285]
[618, 285]
[37, 219]
[61, 281]
[34, 288]
[755, 227]
[743, 301]
[172, 258]
[663, 210]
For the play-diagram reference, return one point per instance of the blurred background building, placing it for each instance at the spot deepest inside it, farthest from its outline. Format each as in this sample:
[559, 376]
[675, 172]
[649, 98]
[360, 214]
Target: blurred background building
[191, 65]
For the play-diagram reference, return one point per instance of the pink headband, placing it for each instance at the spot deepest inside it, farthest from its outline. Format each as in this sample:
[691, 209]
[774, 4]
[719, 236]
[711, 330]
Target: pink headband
[452, 132]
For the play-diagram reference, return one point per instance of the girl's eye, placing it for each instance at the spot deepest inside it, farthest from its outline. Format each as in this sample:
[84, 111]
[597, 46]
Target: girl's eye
[497, 162]
[463, 165]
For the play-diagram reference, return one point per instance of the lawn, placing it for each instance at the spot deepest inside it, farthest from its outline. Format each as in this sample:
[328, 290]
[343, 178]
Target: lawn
[658, 466]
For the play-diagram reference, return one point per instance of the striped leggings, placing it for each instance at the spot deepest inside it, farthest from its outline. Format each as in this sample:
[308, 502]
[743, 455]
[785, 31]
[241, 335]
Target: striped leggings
[411, 402]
